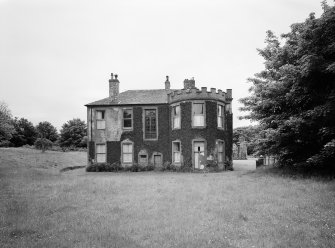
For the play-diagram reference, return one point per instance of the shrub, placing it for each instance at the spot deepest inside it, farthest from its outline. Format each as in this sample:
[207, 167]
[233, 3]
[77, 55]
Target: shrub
[43, 144]
[213, 166]
[228, 165]
[186, 166]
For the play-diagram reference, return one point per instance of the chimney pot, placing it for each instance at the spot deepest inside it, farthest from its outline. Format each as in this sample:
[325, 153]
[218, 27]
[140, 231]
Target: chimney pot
[167, 83]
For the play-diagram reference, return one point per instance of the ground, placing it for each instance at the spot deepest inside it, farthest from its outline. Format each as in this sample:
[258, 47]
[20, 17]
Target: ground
[43, 207]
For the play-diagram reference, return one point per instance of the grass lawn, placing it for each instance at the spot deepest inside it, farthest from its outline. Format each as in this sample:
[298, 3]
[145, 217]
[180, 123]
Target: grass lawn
[42, 207]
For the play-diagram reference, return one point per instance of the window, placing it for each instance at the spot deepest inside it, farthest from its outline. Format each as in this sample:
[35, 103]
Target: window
[221, 153]
[143, 157]
[127, 118]
[176, 117]
[100, 117]
[176, 152]
[220, 116]
[127, 153]
[198, 114]
[150, 124]
[101, 153]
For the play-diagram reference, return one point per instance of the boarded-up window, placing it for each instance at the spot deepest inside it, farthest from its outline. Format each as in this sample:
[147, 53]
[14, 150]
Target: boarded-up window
[100, 117]
[198, 115]
[101, 153]
[221, 153]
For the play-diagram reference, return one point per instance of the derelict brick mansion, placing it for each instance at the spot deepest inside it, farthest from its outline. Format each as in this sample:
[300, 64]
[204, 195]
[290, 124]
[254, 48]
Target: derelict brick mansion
[156, 126]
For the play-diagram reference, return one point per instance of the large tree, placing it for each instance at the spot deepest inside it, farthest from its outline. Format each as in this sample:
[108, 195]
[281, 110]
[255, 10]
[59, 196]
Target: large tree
[25, 132]
[46, 130]
[72, 133]
[293, 98]
[6, 125]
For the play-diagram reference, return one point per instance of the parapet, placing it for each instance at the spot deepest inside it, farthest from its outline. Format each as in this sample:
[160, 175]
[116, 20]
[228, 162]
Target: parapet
[203, 94]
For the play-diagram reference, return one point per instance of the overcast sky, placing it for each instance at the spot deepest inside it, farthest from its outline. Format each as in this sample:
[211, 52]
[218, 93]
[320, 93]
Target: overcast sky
[57, 55]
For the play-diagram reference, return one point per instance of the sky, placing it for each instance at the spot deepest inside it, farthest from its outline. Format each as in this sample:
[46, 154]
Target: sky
[57, 55]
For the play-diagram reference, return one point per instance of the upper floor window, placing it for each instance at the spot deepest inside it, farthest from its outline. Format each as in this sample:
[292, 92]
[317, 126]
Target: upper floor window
[101, 153]
[150, 124]
[100, 117]
[176, 117]
[220, 116]
[198, 114]
[127, 152]
[127, 118]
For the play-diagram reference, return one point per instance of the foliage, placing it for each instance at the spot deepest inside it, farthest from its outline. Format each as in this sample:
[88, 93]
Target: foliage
[25, 132]
[294, 96]
[228, 165]
[115, 167]
[46, 130]
[43, 144]
[6, 125]
[251, 135]
[72, 133]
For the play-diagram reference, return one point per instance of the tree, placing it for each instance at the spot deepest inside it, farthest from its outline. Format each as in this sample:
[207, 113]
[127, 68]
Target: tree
[294, 96]
[25, 132]
[43, 144]
[6, 125]
[72, 133]
[251, 135]
[47, 130]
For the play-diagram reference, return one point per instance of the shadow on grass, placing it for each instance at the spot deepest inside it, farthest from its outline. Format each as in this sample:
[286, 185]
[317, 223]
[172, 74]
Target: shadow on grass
[72, 168]
[322, 174]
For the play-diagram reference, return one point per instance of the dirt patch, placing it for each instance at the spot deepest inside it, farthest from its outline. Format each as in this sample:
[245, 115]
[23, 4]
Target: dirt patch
[72, 168]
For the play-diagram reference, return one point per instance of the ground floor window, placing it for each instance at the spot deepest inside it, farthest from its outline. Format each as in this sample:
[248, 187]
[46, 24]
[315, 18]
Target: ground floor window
[127, 152]
[101, 153]
[220, 149]
[157, 159]
[176, 152]
[143, 157]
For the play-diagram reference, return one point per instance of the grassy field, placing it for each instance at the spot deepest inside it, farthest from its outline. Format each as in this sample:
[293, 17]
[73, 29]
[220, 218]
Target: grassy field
[42, 207]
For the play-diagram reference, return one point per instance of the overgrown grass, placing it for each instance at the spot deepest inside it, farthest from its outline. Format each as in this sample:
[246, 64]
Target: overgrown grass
[41, 207]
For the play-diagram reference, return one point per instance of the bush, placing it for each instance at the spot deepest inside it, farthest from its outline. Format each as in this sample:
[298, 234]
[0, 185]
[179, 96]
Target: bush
[115, 167]
[228, 165]
[186, 166]
[43, 144]
[213, 166]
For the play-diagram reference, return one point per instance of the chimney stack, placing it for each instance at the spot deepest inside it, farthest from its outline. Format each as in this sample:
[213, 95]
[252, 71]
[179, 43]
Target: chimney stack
[167, 83]
[114, 88]
[189, 84]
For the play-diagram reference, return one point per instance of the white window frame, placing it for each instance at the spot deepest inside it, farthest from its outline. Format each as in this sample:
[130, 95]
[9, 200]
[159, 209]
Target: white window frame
[173, 152]
[143, 121]
[204, 114]
[220, 117]
[176, 117]
[127, 142]
[100, 122]
[131, 119]
[143, 153]
[99, 153]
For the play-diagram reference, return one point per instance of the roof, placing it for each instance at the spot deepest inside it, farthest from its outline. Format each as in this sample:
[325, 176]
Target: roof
[132, 97]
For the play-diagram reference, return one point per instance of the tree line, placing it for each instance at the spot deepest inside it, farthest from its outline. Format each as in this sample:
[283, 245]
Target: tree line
[293, 98]
[17, 132]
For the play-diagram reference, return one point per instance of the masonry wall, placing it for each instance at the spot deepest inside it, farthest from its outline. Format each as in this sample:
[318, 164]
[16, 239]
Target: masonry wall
[210, 133]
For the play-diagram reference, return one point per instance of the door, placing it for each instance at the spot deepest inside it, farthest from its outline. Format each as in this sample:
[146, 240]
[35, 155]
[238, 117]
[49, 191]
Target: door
[157, 160]
[199, 155]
